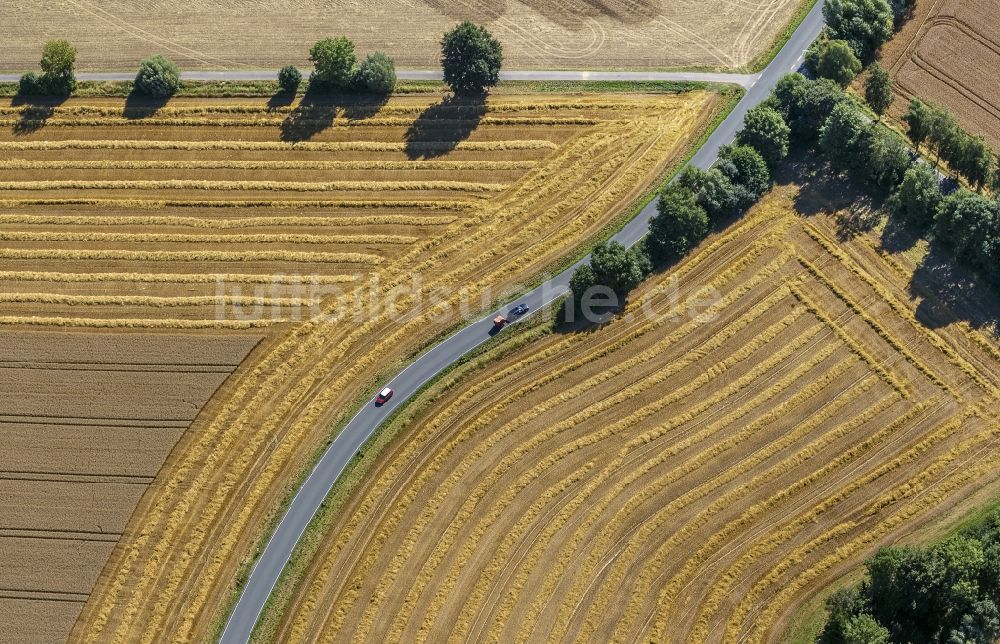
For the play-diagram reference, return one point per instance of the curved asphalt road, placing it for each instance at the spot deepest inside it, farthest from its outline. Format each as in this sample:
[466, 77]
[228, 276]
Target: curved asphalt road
[315, 489]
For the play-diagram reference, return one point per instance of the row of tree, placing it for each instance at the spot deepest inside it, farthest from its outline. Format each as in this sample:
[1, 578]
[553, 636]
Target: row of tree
[946, 593]
[470, 58]
[968, 155]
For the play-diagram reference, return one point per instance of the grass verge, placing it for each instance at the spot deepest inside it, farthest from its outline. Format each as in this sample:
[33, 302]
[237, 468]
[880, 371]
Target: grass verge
[292, 574]
[764, 59]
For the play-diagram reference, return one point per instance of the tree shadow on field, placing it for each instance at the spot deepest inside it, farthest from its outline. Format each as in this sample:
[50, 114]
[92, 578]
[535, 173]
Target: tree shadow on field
[949, 292]
[441, 127]
[35, 113]
[318, 110]
[140, 106]
[280, 99]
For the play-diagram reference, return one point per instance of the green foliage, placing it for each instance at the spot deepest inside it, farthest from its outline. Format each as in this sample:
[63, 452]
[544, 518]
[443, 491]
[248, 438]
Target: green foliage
[865, 24]
[289, 78]
[918, 196]
[887, 158]
[58, 76]
[765, 130]
[678, 226]
[945, 134]
[975, 161]
[918, 119]
[582, 280]
[376, 74]
[878, 89]
[471, 58]
[333, 61]
[158, 77]
[844, 138]
[810, 103]
[945, 593]
[748, 172]
[620, 269]
[833, 59]
[863, 629]
[712, 190]
[967, 223]
[902, 10]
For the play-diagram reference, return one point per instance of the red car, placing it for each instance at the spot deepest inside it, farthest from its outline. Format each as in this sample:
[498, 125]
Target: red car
[383, 396]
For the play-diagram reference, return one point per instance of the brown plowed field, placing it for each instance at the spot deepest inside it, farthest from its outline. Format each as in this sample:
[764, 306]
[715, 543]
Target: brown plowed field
[686, 475]
[217, 215]
[550, 34]
[942, 55]
[87, 422]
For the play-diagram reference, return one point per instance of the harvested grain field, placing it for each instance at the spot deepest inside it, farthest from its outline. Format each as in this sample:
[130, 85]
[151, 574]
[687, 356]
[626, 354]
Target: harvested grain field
[680, 474]
[550, 34]
[88, 421]
[940, 56]
[347, 235]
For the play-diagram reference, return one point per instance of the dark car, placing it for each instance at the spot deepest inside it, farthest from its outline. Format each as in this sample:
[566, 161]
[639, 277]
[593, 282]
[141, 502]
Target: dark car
[520, 309]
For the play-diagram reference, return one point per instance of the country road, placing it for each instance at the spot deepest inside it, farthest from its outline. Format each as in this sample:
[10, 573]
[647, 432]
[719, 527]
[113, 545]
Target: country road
[314, 490]
[745, 80]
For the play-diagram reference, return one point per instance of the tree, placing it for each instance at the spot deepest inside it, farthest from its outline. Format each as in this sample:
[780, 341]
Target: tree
[787, 93]
[58, 59]
[157, 77]
[944, 134]
[976, 161]
[765, 130]
[815, 103]
[902, 10]
[582, 280]
[918, 196]
[471, 58]
[678, 226]
[376, 74]
[748, 171]
[878, 89]
[289, 78]
[333, 61]
[863, 629]
[843, 138]
[964, 221]
[833, 59]
[887, 158]
[865, 24]
[619, 268]
[918, 120]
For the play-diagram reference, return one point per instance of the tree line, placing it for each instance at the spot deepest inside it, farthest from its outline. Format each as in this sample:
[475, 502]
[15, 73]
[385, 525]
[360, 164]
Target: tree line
[818, 115]
[471, 58]
[946, 593]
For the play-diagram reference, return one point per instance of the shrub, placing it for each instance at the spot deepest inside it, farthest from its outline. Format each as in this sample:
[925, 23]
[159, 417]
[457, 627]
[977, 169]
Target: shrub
[747, 170]
[865, 24]
[918, 119]
[58, 60]
[333, 60]
[918, 196]
[765, 130]
[787, 93]
[582, 280]
[678, 226]
[965, 222]
[376, 74]
[887, 158]
[844, 138]
[712, 190]
[471, 58]
[878, 89]
[289, 78]
[813, 102]
[975, 161]
[620, 269]
[833, 59]
[158, 77]
[30, 85]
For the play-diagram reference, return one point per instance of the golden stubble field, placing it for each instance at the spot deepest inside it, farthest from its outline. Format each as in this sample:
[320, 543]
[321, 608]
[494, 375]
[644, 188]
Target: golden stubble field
[574, 34]
[940, 56]
[674, 477]
[235, 221]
